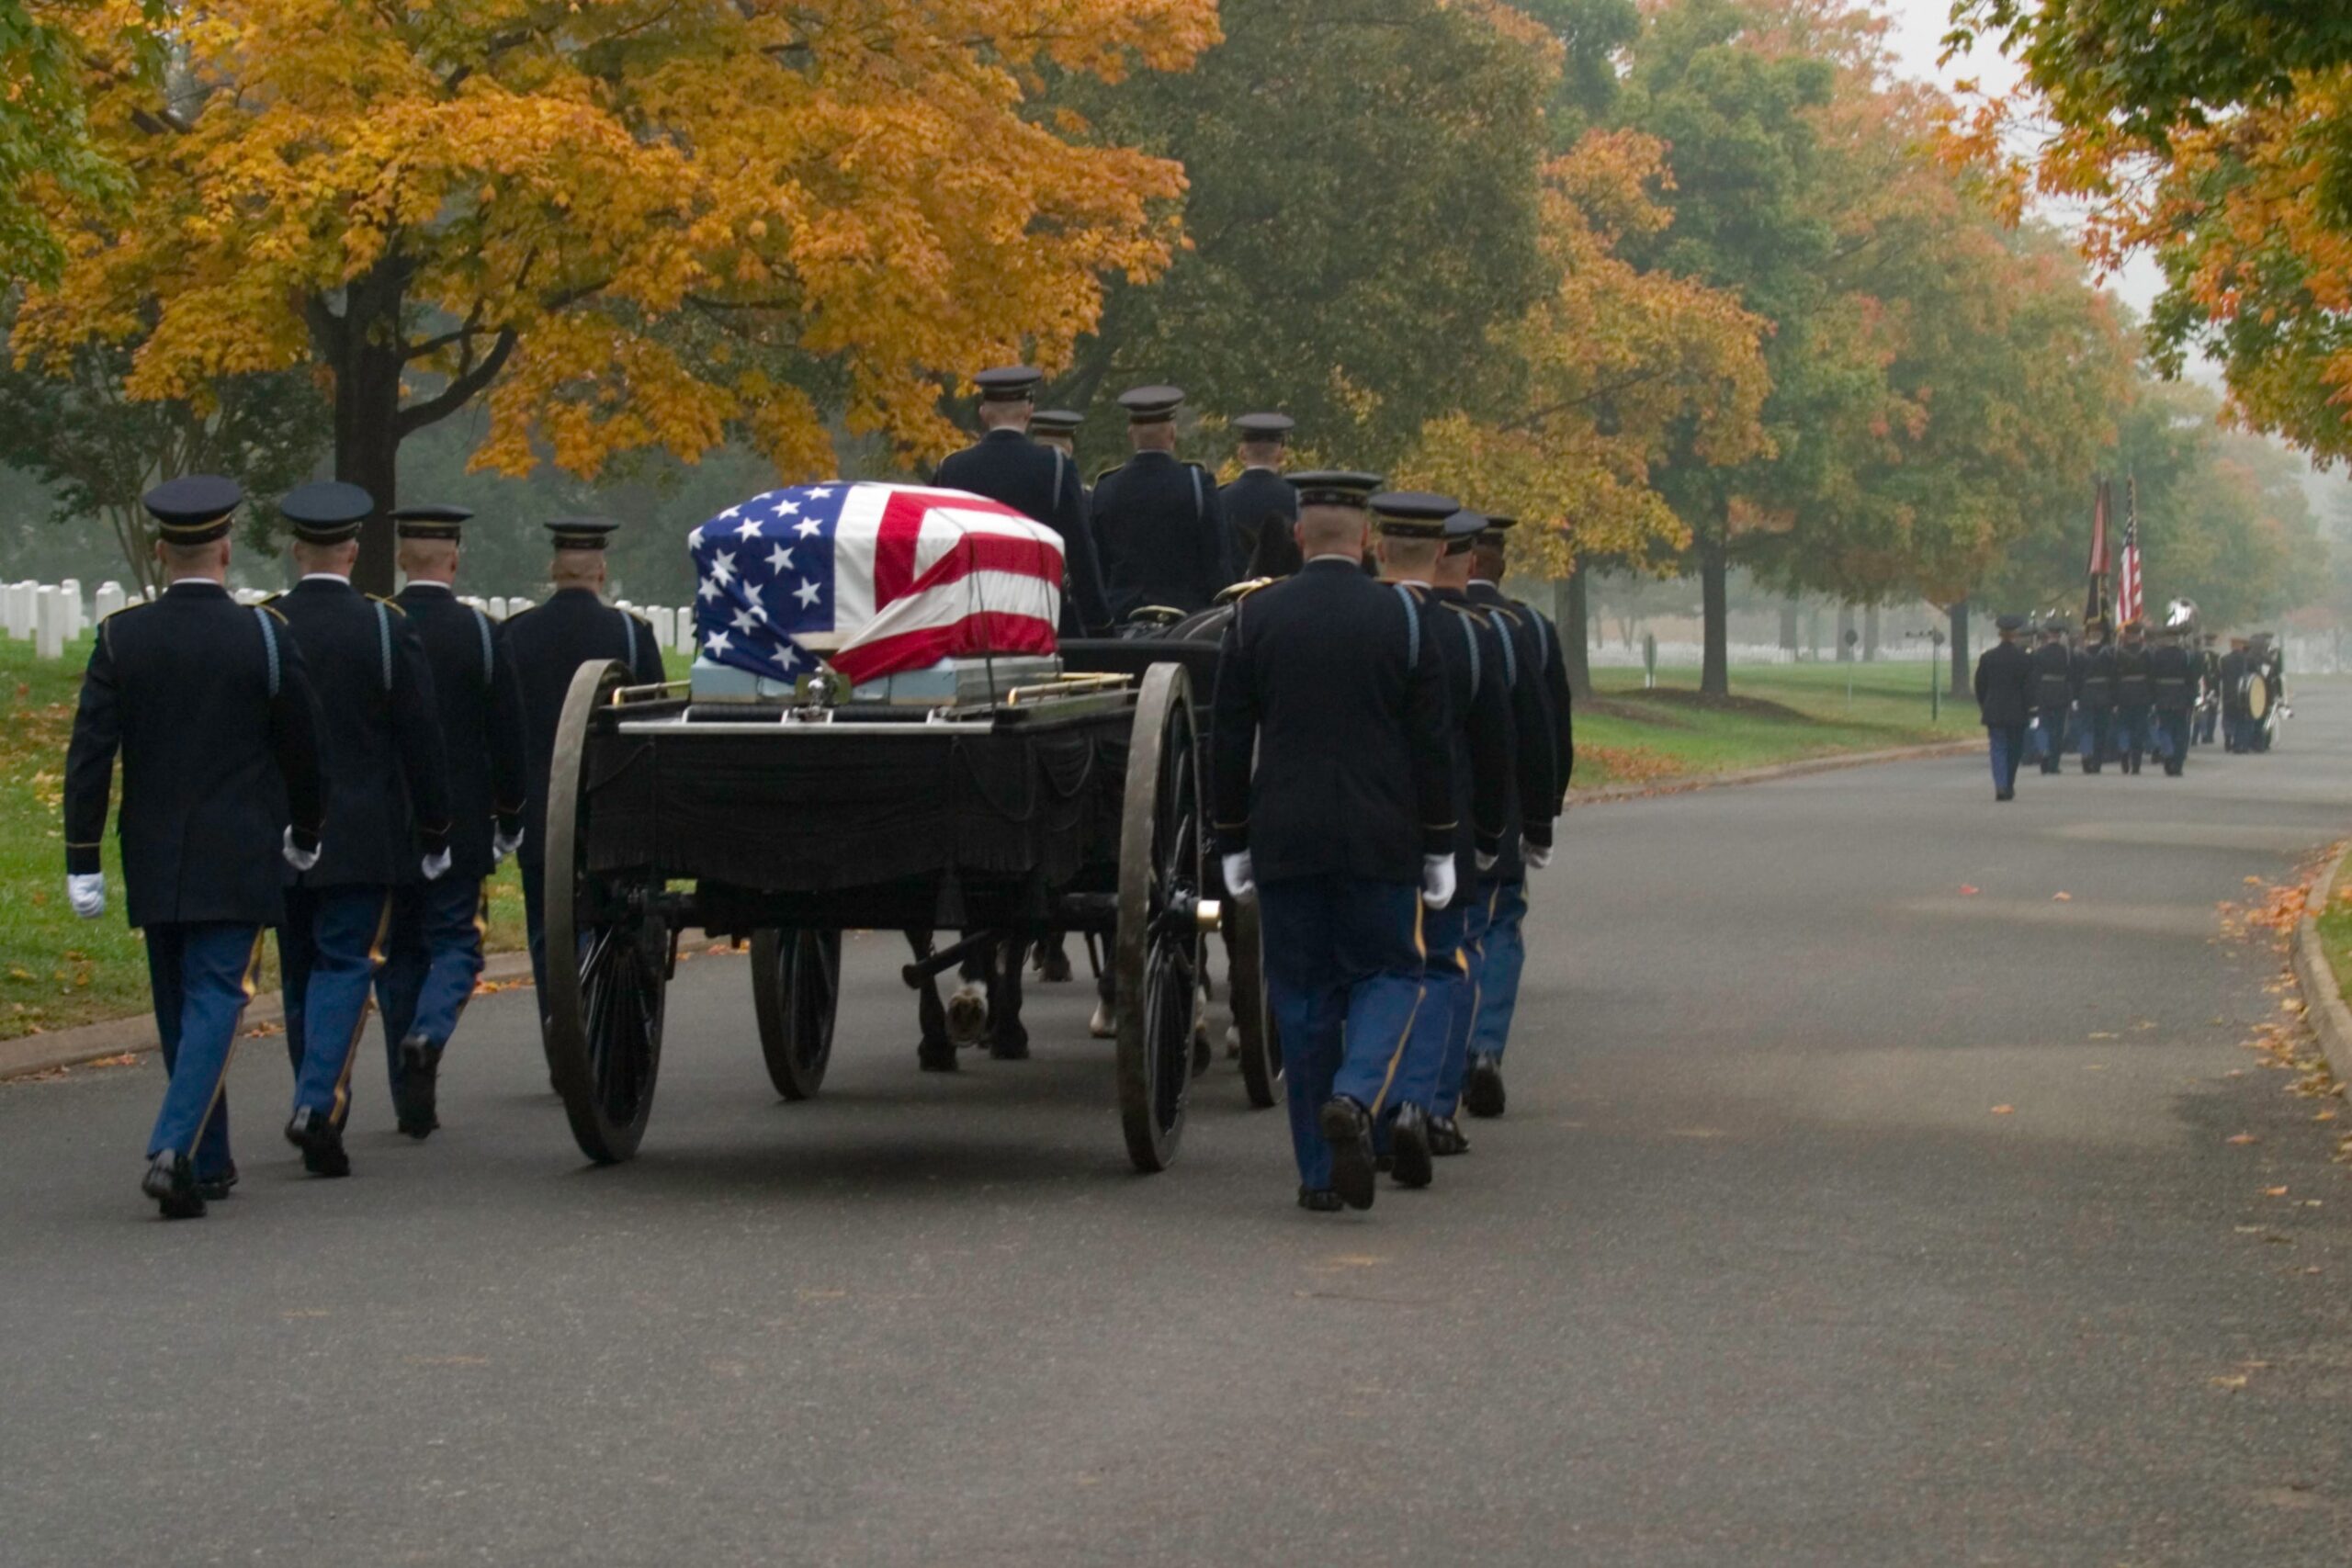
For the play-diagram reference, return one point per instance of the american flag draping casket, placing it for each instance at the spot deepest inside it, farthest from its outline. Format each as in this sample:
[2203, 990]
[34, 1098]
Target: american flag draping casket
[873, 579]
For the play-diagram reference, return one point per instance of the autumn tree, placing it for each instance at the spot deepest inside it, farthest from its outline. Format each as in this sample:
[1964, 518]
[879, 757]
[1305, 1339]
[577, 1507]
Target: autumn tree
[628, 223]
[48, 160]
[2217, 137]
[1361, 203]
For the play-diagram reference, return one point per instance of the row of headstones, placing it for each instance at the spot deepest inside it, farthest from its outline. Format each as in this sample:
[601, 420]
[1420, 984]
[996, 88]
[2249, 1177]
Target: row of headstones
[50, 615]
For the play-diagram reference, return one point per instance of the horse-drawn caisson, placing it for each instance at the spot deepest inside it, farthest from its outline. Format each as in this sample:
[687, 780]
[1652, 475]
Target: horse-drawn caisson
[880, 733]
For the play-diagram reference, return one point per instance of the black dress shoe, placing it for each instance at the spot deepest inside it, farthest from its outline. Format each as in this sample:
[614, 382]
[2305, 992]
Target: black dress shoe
[1348, 1130]
[1482, 1093]
[2005, 794]
[1446, 1137]
[171, 1181]
[321, 1142]
[216, 1186]
[935, 1056]
[1319, 1201]
[1410, 1140]
[413, 1102]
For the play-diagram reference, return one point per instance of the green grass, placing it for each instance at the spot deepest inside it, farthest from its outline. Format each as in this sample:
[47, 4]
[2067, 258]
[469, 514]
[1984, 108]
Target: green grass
[2334, 921]
[1776, 714]
[57, 971]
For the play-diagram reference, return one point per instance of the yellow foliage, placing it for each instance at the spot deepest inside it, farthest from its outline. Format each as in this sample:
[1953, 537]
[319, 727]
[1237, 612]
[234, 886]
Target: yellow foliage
[1588, 389]
[633, 200]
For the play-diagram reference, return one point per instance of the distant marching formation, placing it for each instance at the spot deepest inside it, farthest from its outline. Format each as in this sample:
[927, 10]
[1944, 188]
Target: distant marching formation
[2125, 701]
[1392, 742]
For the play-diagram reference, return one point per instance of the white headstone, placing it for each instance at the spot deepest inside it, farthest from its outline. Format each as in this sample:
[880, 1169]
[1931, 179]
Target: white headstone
[70, 590]
[516, 606]
[48, 641]
[496, 608]
[685, 643]
[110, 599]
[20, 610]
[664, 622]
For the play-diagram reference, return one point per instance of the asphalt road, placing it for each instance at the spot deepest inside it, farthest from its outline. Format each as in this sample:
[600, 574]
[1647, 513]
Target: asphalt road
[1754, 1272]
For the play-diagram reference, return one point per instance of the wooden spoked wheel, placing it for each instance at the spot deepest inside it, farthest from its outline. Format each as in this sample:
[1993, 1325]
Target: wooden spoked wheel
[796, 989]
[1155, 956]
[1253, 1019]
[608, 949]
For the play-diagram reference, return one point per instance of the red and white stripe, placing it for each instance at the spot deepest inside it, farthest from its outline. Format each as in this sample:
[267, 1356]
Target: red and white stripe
[922, 574]
[2128, 597]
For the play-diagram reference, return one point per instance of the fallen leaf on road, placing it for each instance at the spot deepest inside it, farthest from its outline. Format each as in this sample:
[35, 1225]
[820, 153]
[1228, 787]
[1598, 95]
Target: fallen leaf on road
[2062, 898]
[2103, 1034]
[2004, 1110]
[2239, 1380]
[1965, 889]
[2254, 882]
[2274, 1192]
[2242, 1138]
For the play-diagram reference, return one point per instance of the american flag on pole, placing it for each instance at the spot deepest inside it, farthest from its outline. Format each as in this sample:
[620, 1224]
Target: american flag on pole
[2127, 596]
[2095, 603]
[871, 579]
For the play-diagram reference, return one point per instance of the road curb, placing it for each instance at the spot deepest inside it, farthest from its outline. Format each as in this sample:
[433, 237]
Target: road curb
[2324, 1006]
[123, 1036]
[1690, 783]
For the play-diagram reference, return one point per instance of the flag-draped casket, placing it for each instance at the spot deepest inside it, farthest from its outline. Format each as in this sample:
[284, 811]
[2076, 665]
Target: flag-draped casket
[873, 579]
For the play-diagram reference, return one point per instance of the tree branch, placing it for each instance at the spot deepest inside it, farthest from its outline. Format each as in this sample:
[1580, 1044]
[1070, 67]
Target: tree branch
[461, 390]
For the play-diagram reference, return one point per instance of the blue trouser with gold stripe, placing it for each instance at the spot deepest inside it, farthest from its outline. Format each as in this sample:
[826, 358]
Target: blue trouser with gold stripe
[1469, 1005]
[201, 975]
[1345, 961]
[328, 950]
[432, 958]
[1506, 955]
[1445, 998]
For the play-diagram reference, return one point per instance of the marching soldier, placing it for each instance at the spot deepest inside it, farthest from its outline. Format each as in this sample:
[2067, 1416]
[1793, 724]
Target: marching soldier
[211, 707]
[1058, 429]
[2005, 679]
[2267, 662]
[2053, 693]
[1503, 945]
[1261, 507]
[2172, 680]
[2134, 696]
[1413, 552]
[2095, 693]
[389, 790]
[2209, 691]
[1157, 525]
[1335, 684]
[434, 953]
[547, 645]
[1038, 481]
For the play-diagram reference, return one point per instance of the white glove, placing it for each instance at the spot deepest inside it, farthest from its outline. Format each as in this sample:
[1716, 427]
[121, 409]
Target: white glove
[1537, 856]
[86, 891]
[500, 846]
[1485, 862]
[436, 866]
[1437, 881]
[1237, 879]
[300, 860]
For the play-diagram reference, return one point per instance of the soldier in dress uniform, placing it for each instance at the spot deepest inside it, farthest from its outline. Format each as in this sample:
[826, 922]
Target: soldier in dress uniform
[2053, 694]
[2005, 688]
[1038, 481]
[1156, 523]
[1058, 429]
[1334, 685]
[388, 781]
[2209, 691]
[547, 645]
[1261, 507]
[2135, 697]
[2172, 679]
[211, 707]
[1433, 560]
[2095, 693]
[1501, 944]
[432, 956]
[2233, 668]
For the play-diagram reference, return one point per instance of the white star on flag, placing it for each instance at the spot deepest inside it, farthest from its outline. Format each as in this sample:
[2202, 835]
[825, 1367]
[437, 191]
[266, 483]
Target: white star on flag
[716, 642]
[749, 528]
[808, 529]
[808, 593]
[745, 620]
[708, 589]
[723, 568]
[778, 559]
[730, 511]
[785, 507]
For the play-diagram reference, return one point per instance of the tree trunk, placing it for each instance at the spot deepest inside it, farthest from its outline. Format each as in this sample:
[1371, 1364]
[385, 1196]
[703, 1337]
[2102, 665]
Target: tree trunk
[1844, 634]
[1788, 628]
[1959, 661]
[362, 347]
[1714, 568]
[1870, 634]
[1570, 612]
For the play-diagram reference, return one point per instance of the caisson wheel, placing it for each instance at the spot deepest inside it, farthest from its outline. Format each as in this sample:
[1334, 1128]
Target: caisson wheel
[1155, 956]
[608, 949]
[1261, 1054]
[796, 987]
